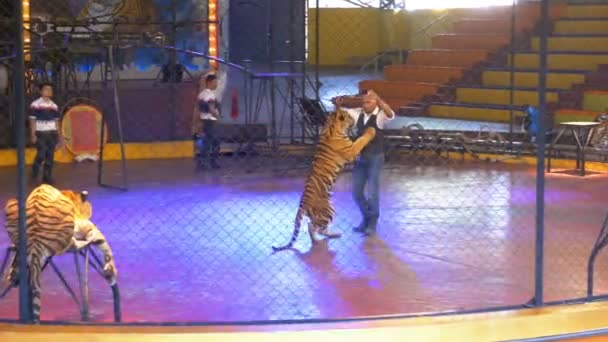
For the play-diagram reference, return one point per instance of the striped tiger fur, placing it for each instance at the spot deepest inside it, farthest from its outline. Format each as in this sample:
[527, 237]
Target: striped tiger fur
[334, 150]
[55, 222]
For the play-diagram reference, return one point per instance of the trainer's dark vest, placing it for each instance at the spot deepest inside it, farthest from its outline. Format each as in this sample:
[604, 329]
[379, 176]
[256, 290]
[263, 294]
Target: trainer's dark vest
[376, 146]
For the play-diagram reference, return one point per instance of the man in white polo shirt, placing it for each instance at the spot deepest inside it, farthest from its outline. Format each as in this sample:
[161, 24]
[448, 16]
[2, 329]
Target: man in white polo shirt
[44, 123]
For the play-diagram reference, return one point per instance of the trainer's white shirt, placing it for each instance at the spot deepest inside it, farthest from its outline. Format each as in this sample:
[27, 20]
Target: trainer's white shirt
[212, 97]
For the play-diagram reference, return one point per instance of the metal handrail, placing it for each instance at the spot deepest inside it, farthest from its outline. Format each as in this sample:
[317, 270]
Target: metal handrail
[376, 59]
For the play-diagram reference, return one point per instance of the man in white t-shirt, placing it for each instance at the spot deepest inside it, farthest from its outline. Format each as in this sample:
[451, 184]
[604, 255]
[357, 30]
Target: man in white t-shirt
[208, 107]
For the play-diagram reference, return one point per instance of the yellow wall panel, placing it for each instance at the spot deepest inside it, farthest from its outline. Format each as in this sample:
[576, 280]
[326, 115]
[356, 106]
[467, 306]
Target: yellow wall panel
[158, 150]
[395, 30]
[347, 33]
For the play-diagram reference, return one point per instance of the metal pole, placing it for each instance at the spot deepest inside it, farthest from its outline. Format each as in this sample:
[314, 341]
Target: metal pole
[540, 172]
[269, 37]
[290, 81]
[512, 74]
[173, 72]
[273, 116]
[290, 98]
[172, 42]
[101, 148]
[25, 306]
[118, 116]
[100, 165]
[317, 24]
[251, 94]
[304, 54]
[246, 95]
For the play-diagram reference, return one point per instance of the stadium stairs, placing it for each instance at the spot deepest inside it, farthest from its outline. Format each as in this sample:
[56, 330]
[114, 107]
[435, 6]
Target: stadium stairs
[466, 73]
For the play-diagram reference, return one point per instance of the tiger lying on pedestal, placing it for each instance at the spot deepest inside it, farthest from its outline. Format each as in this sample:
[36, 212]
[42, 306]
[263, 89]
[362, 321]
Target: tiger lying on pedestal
[56, 221]
[334, 150]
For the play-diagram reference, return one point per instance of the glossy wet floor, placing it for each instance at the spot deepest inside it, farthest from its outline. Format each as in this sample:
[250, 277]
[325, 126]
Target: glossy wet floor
[196, 247]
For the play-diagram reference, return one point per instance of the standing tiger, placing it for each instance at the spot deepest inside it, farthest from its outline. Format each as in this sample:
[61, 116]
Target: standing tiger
[334, 150]
[56, 221]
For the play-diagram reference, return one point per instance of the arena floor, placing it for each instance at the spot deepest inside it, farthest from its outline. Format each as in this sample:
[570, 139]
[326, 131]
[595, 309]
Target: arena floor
[195, 246]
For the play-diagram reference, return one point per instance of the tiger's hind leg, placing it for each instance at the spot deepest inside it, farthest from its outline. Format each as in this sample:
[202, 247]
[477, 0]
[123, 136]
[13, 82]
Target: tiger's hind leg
[312, 230]
[324, 223]
[324, 231]
[330, 235]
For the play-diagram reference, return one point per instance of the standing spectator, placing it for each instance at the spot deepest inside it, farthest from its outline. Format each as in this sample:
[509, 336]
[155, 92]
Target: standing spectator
[208, 110]
[44, 124]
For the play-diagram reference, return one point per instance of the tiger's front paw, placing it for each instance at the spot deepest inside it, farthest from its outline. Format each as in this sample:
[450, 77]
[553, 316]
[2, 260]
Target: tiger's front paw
[110, 272]
[371, 132]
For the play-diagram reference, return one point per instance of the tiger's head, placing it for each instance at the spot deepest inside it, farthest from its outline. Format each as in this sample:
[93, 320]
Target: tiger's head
[337, 123]
[81, 202]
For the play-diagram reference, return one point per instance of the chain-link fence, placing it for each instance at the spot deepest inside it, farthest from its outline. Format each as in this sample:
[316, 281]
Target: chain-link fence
[193, 178]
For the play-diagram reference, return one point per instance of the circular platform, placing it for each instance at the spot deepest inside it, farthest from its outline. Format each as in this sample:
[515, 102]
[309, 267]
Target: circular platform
[582, 322]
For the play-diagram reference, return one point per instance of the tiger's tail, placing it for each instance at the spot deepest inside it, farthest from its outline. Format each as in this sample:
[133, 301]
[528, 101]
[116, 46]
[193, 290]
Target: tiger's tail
[11, 279]
[296, 231]
[12, 276]
[11, 213]
[35, 264]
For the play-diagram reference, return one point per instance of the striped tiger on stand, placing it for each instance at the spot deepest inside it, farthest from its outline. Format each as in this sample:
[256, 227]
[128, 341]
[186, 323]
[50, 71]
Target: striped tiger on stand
[56, 221]
[334, 150]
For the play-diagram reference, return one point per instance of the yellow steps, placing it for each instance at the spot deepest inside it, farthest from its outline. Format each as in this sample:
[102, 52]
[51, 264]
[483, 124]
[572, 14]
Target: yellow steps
[501, 96]
[399, 90]
[527, 13]
[595, 100]
[527, 79]
[472, 113]
[489, 25]
[397, 102]
[565, 115]
[561, 61]
[482, 26]
[404, 72]
[587, 11]
[582, 44]
[581, 27]
[446, 58]
[464, 41]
